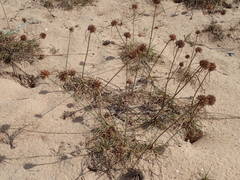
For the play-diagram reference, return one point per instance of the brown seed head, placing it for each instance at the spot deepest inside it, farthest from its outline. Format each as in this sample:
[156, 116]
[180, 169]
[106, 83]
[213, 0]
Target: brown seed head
[211, 100]
[181, 64]
[204, 64]
[212, 67]
[172, 37]
[42, 35]
[142, 47]
[198, 32]
[127, 35]
[134, 6]
[156, 1]
[71, 29]
[24, 20]
[91, 28]
[202, 100]
[96, 84]
[132, 54]
[114, 23]
[41, 56]
[180, 43]
[198, 50]
[23, 37]
[63, 75]
[129, 81]
[44, 74]
[187, 56]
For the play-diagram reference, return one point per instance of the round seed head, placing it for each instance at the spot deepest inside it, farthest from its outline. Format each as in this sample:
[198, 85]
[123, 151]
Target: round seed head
[156, 1]
[204, 64]
[198, 50]
[42, 35]
[24, 20]
[134, 6]
[71, 29]
[41, 56]
[198, 32]
[172, 37]
[129, 81]
[202, 100]
[44, 74]
[187, 56]
[91, 28]
[132, 54]
[181, 64]
[114, 23]
[212, 67]
[96, 84]
[211, 100]
[63, 75]
[23, 37]
[180, 43]
[127, 35]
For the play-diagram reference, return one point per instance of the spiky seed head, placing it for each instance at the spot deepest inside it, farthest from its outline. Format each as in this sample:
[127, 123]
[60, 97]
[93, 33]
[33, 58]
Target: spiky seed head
[212, 67]
[187, 56]
[44, 74]
[198, 50]
[62, 76]
[23, 37]
[91, 28]
[211, 99]
[132, 54]
[172, 37]
[114, 23]
[41, 56]
[96, 84]
[127, 35]
[43, 35]
[181, 64]
[156, 1]
[180, 43]
[204, 64]
[71, 29]
[134, 6]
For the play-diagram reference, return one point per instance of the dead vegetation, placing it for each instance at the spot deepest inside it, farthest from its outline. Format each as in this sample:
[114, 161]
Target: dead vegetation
[65, 4]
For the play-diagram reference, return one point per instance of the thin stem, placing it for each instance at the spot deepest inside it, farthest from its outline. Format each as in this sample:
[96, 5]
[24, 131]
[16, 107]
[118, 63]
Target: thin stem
[69, 40]
[134, 16]
[5, 14]
[151, 35]
[89, 38]
[158, 58]
[120, 35]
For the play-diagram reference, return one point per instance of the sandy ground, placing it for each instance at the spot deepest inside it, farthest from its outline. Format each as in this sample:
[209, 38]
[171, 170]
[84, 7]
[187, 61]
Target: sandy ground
[43, 138]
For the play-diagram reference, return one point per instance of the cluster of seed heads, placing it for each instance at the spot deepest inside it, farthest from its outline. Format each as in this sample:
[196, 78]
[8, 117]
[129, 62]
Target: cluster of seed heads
[206, 100]
[206, 65]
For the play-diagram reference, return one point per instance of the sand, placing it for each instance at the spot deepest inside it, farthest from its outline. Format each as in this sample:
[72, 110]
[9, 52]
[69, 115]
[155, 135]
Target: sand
[43, 138]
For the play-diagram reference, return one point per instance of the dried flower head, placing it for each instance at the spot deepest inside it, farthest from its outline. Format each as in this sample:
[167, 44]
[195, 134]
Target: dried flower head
[24, 20]
[142, 47]
[91, 28]
[129, 81]
[204, 64]
[172, 37]
[44, 74]
[134, 6]
[181, 64]
[156, 1]
[187, 56]
[132, 54]
[198, 50]
[212, 67]
[202, 100]
[180, 43]
[96, 84]
[223, 12]
[71, 29]
[4, 128]
[198, 32]
[62, 76]
[211, 100]
[114, 23]
[42, 35]
[127, 35]
[23, 37]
